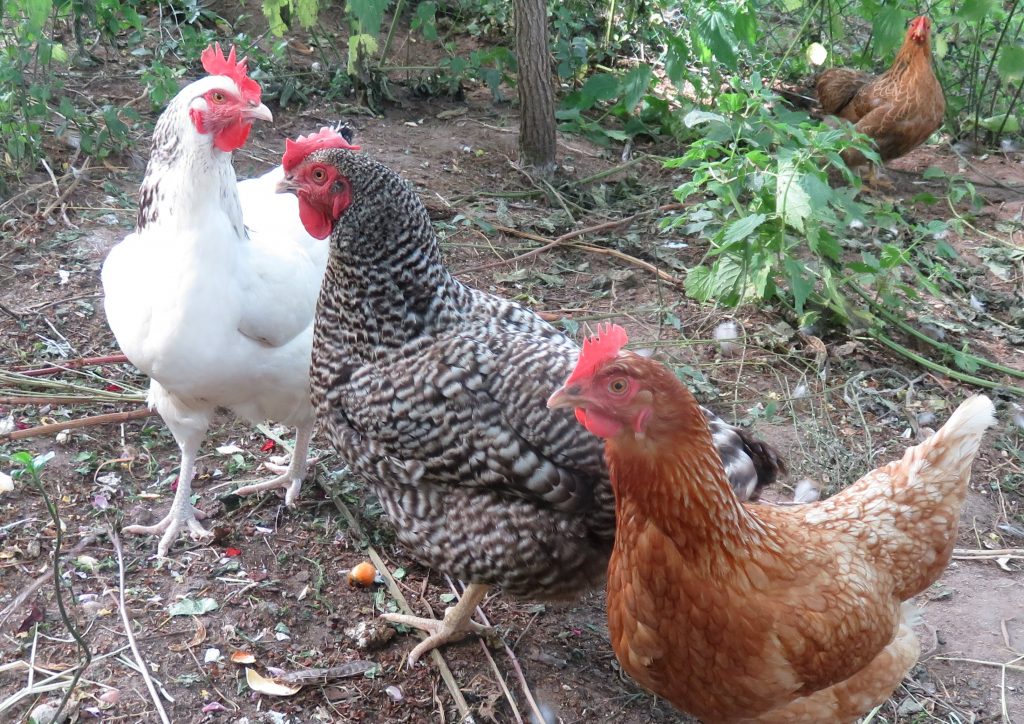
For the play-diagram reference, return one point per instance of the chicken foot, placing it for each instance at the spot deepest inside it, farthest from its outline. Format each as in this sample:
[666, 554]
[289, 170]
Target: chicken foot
[182, 513]
[290, 478]
[456, 624]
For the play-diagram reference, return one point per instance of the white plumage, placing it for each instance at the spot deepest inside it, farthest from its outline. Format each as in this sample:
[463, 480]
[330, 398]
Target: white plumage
[218, 313]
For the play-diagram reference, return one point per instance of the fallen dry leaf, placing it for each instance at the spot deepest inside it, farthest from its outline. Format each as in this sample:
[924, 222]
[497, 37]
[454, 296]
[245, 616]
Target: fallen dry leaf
[197, 638]
[242, 657]
[263, 685]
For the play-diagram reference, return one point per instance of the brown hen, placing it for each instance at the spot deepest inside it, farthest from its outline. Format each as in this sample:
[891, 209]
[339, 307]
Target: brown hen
[738, 613]
[898, 109]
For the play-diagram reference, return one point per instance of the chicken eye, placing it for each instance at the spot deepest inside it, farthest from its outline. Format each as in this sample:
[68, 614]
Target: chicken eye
[618, 386]
[319, 175]
[217, 97]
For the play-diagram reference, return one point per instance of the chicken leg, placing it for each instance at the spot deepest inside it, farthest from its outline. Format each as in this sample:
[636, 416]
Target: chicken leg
[182, 513]
[290, 478]
[456, 624]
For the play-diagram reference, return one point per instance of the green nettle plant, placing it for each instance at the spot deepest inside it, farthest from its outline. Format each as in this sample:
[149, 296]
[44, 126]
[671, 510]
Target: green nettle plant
[778, 232]
[760, 195]
[33, 102]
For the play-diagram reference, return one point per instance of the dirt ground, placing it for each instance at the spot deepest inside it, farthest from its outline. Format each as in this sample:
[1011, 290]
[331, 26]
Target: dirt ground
[275, 579]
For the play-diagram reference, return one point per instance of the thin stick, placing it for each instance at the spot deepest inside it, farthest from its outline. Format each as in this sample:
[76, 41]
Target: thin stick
[1011, 664]
[396, 593]
[109, 418]
[660, 273]
[501, 682]
[72, 364]
[515, 665]
[72, 400]
[568, 236]
[67, 192]
[143, 669]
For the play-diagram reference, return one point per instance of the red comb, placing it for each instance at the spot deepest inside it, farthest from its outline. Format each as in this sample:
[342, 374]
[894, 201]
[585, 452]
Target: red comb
[216, 63]
[296, 151]
[598, 349]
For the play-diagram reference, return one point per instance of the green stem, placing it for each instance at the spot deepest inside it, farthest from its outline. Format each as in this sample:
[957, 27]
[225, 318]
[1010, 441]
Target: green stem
[391, 30]
[72, 629]
[992, 61]
[796, 39]
[941, 346]
[608, 27]
[941, 369]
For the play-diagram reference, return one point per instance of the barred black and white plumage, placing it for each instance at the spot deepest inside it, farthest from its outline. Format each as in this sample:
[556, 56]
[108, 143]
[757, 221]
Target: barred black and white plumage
[434, 393]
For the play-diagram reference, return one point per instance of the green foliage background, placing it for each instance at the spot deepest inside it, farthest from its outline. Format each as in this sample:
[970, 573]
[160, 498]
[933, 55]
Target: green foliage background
[701, 72]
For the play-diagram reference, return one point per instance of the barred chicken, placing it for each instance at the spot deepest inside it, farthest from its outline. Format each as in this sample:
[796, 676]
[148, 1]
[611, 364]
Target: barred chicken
[433, 393]
[777, 615]
[212, 299]
[899, 109]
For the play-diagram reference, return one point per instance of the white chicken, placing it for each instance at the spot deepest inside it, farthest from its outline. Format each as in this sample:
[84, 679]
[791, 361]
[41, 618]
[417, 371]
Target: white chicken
[216, 315]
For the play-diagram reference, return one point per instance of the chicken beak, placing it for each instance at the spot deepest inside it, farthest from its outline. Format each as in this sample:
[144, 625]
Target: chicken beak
[566, 396]
[258, 113]
[286, 186]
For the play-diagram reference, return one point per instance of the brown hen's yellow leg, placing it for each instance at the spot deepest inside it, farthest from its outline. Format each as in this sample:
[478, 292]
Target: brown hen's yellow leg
[456, 624]
[876, 180]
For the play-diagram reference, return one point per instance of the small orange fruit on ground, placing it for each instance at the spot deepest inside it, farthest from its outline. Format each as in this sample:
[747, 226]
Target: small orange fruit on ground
[362, 575]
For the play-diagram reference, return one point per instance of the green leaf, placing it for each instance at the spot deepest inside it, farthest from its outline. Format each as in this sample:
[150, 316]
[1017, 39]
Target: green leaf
[36, 12]
[1008, 123]
[741, 228]
[890, 25]
[360, 48]
[599, 87]
[722, 282]
[698, 284]
[975, 11]
[368, 15]
[1011, 64]
[306, 11]
[191, 607]
[791, 201]
[713, 30]
[272, 11]
[893, 256]
[677, 59]
[965, 360]
[826, 245]
[634, 85]
[424, 19]
[799, 284]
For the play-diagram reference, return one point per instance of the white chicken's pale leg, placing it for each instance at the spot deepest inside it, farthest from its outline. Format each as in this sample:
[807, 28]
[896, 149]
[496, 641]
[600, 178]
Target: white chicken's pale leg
[182, 514]
[292, 476]
[456, 624]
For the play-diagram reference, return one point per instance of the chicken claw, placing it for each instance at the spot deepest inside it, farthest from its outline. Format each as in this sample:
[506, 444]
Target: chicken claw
[289, 478]
[173, 523]
[456, 624]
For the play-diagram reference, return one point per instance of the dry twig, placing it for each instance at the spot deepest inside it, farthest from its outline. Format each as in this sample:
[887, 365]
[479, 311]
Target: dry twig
[143, 669]
[107, 419]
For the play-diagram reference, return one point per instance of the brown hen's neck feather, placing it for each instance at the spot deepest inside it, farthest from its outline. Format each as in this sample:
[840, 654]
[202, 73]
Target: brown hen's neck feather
[672, 472]
[912, 56]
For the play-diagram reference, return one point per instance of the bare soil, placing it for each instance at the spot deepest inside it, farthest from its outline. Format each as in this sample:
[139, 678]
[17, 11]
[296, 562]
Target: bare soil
[278, 576]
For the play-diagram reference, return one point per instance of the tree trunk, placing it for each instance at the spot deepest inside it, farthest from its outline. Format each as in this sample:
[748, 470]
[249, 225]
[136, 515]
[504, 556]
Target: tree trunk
[536, 94]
